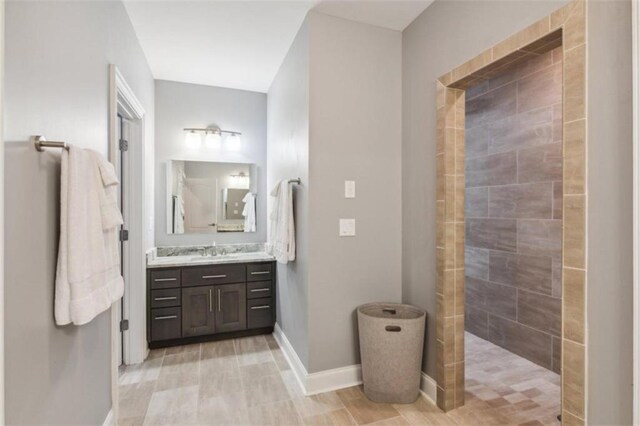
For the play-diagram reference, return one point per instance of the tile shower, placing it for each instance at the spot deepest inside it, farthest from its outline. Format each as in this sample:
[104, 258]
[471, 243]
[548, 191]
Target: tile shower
[513, 209]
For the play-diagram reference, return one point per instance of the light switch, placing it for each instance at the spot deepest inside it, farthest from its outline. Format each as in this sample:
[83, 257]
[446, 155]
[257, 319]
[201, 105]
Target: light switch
[347, 227]
[349, 189]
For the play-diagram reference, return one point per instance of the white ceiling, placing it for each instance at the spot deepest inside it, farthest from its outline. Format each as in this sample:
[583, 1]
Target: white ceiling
[241, 44]
[391, 14]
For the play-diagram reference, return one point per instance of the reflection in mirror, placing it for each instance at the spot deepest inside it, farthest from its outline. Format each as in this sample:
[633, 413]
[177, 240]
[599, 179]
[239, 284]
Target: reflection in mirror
[209, 197]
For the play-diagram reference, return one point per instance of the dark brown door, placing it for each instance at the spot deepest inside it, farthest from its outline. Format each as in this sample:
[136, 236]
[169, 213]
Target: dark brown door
[198, 316]
[231, 307]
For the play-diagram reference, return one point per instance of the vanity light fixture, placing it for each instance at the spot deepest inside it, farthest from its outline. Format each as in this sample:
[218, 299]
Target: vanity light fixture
[213, 137]
[192, 139]
[233, 142]
[241, 180]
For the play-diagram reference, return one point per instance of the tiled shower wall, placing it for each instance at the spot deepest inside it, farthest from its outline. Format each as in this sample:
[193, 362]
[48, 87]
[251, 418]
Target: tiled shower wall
[513, 209]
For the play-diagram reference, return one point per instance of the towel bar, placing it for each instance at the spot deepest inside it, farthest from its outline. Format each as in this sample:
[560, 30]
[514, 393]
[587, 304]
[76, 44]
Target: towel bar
[41, 143]
[297, 180]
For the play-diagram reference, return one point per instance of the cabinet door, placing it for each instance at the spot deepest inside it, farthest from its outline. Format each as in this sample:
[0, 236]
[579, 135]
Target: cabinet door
[198, 316]
[231, 307]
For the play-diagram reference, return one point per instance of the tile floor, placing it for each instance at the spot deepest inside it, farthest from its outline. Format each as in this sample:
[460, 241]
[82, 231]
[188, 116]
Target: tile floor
[517, 389]
[248, 382]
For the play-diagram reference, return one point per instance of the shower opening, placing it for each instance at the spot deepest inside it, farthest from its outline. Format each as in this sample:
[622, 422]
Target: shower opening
[513, 240]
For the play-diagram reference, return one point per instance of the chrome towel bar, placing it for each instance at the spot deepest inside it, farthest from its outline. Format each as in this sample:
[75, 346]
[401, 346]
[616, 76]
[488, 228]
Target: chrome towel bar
[40, 142]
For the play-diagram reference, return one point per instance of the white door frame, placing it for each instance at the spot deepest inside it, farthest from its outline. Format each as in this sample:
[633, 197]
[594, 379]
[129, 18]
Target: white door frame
[123, 101]
[636, 210]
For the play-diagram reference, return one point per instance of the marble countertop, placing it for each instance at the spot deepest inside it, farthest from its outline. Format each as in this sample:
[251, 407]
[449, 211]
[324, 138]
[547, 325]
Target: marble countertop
[196, 260]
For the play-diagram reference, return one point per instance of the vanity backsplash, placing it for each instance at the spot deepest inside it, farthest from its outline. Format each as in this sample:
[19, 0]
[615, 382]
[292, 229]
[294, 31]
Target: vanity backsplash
[167, 251]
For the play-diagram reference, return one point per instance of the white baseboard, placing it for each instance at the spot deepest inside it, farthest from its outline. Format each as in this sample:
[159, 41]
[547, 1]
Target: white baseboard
[337, 378]
[334, 379]
[322, 381]
[292, 357]
[429, 388]
[109, 420]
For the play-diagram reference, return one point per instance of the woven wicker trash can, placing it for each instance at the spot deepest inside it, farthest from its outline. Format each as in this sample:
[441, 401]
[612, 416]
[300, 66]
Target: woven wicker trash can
[391, 343]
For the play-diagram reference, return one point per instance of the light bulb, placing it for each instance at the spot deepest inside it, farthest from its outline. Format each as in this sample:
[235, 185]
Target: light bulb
[233, 142]
[192, 140]
[212, 140]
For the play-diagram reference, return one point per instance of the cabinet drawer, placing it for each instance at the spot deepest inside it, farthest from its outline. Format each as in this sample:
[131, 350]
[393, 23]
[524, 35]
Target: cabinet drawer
[210, 275]
[165, 278]
[258, 289]
[260, 313]
[259, 272]
[165, 298]
[166, 323]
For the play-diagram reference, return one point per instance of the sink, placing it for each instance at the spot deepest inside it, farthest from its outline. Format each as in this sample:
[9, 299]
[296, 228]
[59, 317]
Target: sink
[220, 256]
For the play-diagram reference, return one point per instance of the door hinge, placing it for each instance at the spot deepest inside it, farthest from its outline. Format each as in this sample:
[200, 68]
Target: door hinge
[124, 145]
[124, 325]
[124, 235]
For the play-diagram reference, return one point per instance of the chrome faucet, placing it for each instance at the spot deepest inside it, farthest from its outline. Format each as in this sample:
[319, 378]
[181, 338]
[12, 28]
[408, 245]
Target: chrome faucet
[213, 251]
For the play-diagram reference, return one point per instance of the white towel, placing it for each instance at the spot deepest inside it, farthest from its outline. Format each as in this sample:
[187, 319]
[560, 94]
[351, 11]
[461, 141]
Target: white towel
[249, 212]
[88, 276]
[111, 215]
[282, 239]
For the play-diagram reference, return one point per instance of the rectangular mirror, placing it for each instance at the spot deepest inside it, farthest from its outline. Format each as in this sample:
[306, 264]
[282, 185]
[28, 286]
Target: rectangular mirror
[210, 197]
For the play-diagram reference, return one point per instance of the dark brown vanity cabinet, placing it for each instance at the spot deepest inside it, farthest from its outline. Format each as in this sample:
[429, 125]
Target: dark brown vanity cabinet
[198, 317]
[204, 302]
[231, 312]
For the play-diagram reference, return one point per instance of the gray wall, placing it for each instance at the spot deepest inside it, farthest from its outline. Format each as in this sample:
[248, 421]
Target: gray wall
[335, 116]
[355, 134]
[609, 215]
[288, 157]
[56, 85]
[180, 105]
[445, 35]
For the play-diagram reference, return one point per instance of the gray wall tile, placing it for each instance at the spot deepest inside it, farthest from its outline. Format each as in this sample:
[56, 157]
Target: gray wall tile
[528, 201]
[500, 103]
[540, 89]
[556, 358]
[539, 311]
[476, 142]
[476, 262]
[495, 234]
[556, 278]
[527, 342]
[476, 321]
[493, 298]
[476, 202]
[532, 273]
[557, 200]
[540, 164]
[524, 130]
[540, 238]
[497, 169]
